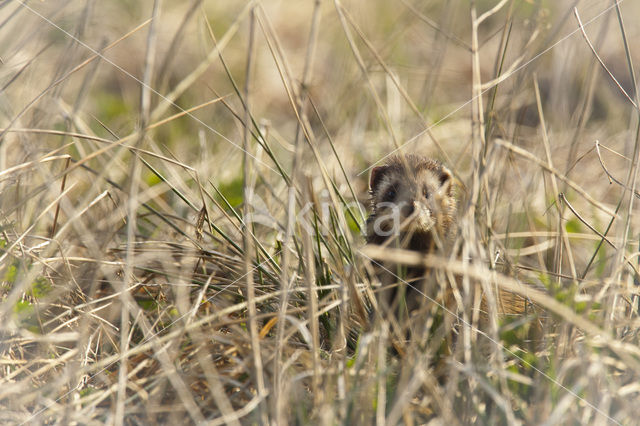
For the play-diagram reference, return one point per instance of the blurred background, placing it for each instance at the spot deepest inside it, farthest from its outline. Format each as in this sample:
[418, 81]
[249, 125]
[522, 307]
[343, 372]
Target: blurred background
[136, 137]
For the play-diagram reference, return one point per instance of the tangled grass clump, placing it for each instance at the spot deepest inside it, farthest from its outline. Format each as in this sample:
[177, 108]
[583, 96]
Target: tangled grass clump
[183, 192]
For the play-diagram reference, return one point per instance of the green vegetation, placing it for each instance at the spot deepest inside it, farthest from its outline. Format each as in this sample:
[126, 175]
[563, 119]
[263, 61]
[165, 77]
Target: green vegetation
[182, 191]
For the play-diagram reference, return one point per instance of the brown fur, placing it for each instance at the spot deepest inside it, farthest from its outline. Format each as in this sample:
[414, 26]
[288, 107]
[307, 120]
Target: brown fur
[424, 196]
[411, 176]
[413, 206]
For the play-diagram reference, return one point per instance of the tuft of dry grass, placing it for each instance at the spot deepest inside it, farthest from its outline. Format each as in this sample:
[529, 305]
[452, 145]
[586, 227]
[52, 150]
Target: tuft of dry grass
[183, 187]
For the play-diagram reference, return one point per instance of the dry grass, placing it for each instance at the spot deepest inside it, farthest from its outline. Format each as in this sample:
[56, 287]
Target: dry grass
[139, 138]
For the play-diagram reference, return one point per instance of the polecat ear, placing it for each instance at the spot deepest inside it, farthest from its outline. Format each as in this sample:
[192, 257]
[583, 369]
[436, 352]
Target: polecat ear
[376, 175]
[446, 180]
[445, 176]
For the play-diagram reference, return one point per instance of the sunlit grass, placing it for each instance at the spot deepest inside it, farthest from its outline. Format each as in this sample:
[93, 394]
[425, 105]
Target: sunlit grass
[183, 192]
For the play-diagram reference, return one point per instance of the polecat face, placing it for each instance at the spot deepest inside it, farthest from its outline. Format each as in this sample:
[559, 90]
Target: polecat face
[410, 197]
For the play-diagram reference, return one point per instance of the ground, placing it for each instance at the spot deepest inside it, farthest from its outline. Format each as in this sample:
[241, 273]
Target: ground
[183, 188]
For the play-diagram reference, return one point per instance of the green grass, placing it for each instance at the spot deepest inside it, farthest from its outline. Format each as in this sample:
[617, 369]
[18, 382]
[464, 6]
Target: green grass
[135, 289]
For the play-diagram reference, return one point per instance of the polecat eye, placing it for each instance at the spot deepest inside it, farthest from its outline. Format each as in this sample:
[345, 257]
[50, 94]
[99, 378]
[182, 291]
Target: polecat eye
[425, 193]
[390, 195]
